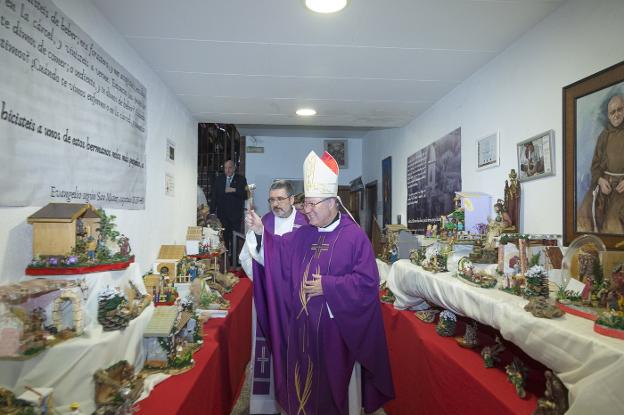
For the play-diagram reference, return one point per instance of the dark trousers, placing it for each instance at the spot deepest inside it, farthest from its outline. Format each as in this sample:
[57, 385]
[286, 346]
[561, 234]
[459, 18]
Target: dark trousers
[229, 226]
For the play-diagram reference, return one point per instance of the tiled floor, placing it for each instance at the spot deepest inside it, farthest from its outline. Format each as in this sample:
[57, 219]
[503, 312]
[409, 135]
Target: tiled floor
[242, 405]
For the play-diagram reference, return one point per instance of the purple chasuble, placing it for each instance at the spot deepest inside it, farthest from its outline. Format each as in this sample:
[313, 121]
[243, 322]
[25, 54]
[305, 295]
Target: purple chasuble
[317, 353]
[265, 304]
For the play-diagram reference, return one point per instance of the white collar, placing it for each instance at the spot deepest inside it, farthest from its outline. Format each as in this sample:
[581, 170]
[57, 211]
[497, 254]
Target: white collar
[333, 226]
[284, 225]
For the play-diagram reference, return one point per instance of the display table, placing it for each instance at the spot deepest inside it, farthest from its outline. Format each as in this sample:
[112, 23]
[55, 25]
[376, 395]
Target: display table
[384, 269]
[68, 367]
[590, 365]
[433, 375]
[213, 385]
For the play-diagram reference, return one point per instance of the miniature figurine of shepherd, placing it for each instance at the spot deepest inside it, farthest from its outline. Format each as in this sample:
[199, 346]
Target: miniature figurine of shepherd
[91, 247]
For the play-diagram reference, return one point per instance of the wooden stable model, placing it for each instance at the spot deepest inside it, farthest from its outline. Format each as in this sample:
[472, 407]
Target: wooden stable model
[168, 259]
[57, 225]
[170, 338]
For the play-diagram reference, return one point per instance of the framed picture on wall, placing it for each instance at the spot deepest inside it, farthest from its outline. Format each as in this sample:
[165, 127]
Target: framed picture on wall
[338, 150]
[169, 185]
[593, 133]
[170, 153]
[536, 156]
[487, 152]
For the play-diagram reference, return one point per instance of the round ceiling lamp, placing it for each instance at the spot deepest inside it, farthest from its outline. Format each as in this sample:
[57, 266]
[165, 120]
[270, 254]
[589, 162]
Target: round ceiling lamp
[306, 112]
[326, 6]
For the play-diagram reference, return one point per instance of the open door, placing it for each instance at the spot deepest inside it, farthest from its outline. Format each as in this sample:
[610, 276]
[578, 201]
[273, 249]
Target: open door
[370, 208]
[351, 201]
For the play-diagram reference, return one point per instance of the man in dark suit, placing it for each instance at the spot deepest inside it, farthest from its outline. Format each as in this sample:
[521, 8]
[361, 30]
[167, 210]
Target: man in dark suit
[229, 192]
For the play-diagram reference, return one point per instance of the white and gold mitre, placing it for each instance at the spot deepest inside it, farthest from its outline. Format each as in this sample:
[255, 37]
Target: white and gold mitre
[320, 175]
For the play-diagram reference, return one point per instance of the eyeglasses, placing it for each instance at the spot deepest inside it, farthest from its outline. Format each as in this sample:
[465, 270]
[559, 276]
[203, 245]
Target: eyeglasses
[279, 199]
[310, 205]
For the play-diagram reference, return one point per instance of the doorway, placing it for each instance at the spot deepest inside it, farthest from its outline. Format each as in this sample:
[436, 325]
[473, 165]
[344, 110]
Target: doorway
[370, 207]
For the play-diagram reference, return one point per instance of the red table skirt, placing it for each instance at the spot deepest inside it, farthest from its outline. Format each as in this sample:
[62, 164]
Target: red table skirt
[213, 385]
[434, 375]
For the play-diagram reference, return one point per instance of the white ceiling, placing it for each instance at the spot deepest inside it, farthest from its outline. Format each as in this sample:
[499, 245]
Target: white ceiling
[376, 64]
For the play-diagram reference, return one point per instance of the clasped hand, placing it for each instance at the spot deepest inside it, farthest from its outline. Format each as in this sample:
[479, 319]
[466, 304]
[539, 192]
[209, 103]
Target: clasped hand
[313, 287]
[605, 186]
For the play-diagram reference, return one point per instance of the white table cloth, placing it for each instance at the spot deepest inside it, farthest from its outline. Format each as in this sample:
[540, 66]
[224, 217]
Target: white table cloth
[590, 365]
[68, 367]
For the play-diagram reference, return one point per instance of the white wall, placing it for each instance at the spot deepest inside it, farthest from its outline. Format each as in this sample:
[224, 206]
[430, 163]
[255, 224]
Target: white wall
[519, 93]
[164, 219]
[283, 158]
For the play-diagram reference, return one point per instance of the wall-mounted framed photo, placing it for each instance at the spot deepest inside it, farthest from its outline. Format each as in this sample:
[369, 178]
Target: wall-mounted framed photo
[170, 153]
[169, 185]
[488, 151]
[536, 156]
[593, 137]
[338, 150]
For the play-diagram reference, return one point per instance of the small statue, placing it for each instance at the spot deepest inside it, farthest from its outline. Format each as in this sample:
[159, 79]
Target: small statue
[470, 339]
[612, 301]
[512, 200]
[447, 324]
[80, 229]
[193, 271]
[490, 353]
[74, 408]
[460, 226]
[516, 374]
[394, 254]
[124, 245]
[91, 248]
[457, 201]
[555, 399]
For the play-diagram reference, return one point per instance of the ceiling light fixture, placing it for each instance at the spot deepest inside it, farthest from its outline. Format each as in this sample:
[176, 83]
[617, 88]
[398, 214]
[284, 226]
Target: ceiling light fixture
[306, 112]
[326, 6]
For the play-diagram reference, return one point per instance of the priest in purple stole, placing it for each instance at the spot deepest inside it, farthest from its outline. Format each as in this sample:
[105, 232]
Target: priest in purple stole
[326, 326]
[282, 219]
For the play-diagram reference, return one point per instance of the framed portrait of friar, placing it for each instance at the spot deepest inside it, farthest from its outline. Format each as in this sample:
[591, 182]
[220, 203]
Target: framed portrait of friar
[593, 141]
[338, 150]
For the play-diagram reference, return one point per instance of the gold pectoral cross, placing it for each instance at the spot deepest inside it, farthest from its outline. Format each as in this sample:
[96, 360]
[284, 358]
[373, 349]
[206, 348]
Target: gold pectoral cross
[319, 247]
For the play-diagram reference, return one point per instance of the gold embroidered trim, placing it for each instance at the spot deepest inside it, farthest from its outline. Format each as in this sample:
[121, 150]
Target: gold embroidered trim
[304, 396]
[303, 299]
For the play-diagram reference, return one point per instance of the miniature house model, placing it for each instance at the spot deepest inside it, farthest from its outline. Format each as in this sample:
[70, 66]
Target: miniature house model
[24, 309]
[169, 257]
[159, 329]
[152, 283]
[194, 236]
[167, 332]
[56, 227]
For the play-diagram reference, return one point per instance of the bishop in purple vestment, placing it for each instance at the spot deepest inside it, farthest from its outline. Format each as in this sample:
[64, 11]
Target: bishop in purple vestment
[327, 314]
